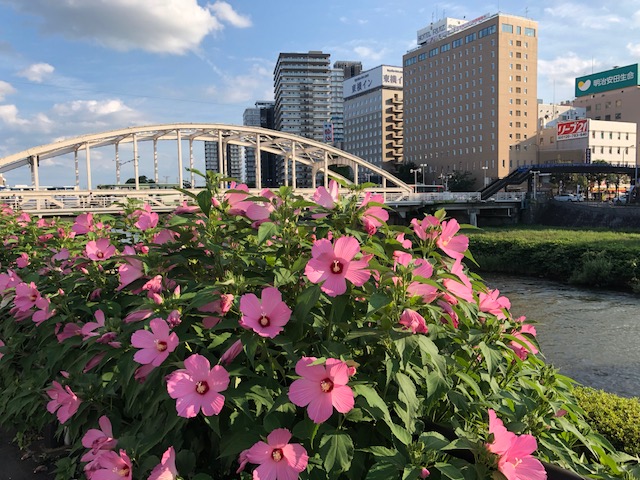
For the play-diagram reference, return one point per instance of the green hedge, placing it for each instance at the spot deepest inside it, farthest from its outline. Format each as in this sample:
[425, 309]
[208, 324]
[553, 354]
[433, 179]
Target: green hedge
[592, 258]
[616, 418]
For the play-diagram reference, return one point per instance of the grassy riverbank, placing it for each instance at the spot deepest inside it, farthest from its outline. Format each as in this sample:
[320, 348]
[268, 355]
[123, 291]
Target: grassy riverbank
[593, 258]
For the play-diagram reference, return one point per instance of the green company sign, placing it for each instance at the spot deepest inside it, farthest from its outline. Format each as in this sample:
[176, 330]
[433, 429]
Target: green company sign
[608, 80]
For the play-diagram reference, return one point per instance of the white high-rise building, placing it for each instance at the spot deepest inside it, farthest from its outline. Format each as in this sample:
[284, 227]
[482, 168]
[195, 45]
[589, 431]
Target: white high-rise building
[373, 116]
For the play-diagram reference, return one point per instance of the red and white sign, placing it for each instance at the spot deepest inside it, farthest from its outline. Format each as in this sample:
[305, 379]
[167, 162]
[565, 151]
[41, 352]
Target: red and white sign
[573, 129]
[328, 132]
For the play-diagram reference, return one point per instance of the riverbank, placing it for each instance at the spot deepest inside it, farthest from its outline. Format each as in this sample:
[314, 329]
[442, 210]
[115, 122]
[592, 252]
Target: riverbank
[591, 258]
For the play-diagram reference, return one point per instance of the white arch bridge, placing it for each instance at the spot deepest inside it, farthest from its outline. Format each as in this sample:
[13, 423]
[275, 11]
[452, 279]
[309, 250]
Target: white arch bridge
[291, 150]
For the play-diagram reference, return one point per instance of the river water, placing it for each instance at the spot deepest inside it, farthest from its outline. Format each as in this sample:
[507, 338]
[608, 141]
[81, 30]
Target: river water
[592, 336]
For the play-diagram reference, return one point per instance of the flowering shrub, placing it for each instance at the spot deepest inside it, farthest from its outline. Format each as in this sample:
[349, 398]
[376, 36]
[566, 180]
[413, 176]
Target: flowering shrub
[275, 337]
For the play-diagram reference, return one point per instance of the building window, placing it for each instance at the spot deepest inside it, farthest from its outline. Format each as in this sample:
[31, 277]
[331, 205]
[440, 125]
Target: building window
[618, 116]
[530, 32]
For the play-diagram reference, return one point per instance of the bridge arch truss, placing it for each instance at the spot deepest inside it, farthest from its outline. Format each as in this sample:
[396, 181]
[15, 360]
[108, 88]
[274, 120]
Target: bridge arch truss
[291, 149]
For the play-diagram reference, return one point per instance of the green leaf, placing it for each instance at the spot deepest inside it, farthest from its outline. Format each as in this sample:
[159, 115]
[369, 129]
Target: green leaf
[306, 301]
[472, 383]
[204, 201]
[266, 231]
[449, 471]
[337, 450]
[379, 300]
[373, 399]
[382, 471]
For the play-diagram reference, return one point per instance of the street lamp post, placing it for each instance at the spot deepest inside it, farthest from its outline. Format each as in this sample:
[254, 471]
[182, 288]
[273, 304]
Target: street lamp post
[484, 175]
[415, 175]
[424, 181]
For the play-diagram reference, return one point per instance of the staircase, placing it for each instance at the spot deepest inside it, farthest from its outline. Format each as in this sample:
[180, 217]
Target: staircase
[514, 178]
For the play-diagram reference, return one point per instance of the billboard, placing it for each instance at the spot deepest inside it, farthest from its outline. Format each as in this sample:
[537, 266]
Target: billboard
[382, 76]
[328, 132]
[573, 129]
[608, 80]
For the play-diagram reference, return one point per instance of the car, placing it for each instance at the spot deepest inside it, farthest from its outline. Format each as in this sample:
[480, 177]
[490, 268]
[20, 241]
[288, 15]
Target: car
[568, 197]
[621, 199]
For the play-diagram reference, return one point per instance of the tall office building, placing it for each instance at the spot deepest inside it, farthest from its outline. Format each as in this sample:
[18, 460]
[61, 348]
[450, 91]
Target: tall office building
[336, 121]
[373, 116]
[262, 115]
[470, 95]
[350, 68]
[302, 85]
[235, 156]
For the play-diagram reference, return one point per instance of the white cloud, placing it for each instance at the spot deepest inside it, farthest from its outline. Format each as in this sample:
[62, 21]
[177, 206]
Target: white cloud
[566, 67]
[169, 26]
[5, 89]
[634, 49]
[36, 72]
[370, 54]
[225, 12]
[9, 116]
[246, 88]
[583, 16]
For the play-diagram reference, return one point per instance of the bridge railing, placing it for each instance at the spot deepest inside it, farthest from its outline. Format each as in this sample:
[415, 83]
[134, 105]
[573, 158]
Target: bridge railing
[72, 201]
[67, 202]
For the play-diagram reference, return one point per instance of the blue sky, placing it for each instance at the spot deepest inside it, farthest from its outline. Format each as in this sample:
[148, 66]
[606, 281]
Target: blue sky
[69, 67]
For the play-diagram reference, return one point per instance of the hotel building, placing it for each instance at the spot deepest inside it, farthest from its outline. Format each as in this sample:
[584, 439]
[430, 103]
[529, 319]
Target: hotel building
[470, 95]
[373, 116]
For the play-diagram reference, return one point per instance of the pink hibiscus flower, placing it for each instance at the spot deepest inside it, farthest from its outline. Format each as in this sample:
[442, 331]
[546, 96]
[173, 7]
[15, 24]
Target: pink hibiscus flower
[43, 311]
[155, 345]
[131, 269]
[26, 296]
[332, 265]
[413, 321]
[166, 469]
[98, 250]
[373, 216]
[322, 388]
[232, 352]
[2, 344]
[83, 224]
[516, 461]
[220, 307]
[491, 302]
[111, 466]
[89, 328]
[327, 198]
[63, 400]
[425, 229]
[523, 350]
[266, 316]
[197, 387]
[277, 459]
[450, 243]
[9, 280]
[23, 260]
[146, 218]
[98, 439]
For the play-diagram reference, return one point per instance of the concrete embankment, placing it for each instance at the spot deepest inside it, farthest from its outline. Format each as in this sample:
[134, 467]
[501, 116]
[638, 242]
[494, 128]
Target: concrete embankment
[589, 215]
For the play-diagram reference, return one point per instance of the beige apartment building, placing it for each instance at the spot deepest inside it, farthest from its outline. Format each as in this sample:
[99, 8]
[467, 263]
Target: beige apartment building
[373, 117]
[470, 95]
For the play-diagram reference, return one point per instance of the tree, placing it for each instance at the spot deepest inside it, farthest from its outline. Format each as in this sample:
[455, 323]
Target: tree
[141, 179]
[461, 181]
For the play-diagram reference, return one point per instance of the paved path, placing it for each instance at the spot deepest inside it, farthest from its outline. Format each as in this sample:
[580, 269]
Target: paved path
[12, 467]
